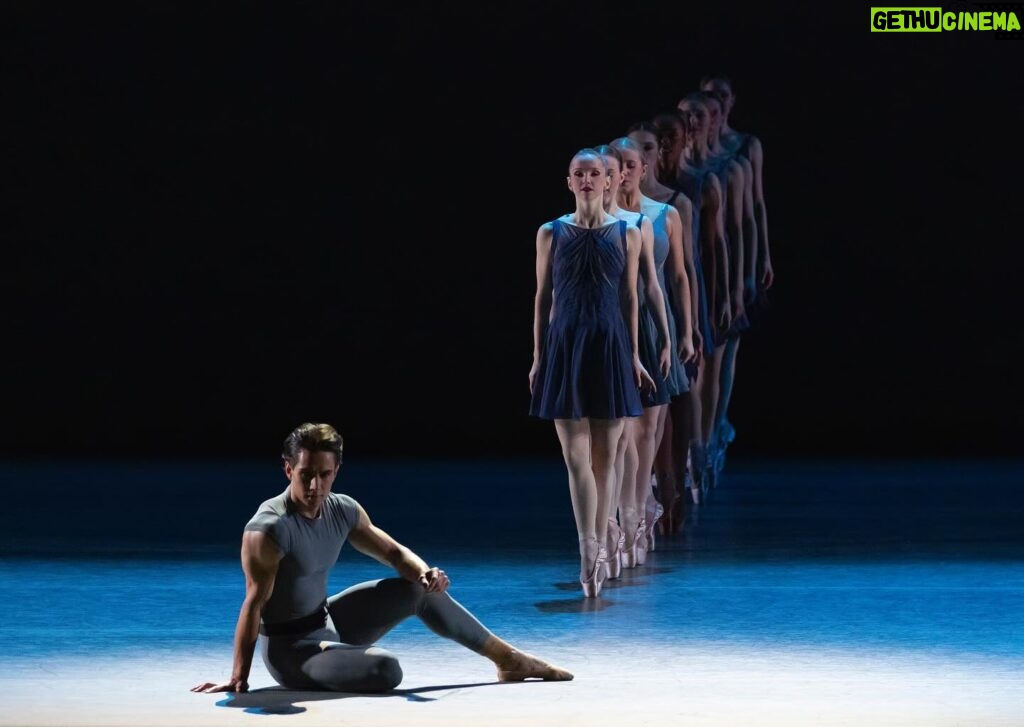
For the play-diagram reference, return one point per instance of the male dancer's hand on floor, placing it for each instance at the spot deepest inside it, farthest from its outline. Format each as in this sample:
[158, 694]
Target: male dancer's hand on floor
[235, 685]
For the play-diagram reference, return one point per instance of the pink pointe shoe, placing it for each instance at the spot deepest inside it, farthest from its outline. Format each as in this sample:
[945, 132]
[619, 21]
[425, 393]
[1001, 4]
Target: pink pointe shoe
[640, 542]
[654, 512]
[698, 465]
[631, 553]
[693, 487]
[616, 543]
[594, 574]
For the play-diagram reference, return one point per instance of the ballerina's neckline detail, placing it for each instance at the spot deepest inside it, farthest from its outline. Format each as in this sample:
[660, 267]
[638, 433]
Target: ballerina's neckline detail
[581, 227]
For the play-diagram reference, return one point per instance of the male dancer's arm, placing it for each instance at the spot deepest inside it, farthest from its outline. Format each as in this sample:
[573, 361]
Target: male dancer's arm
[765, 272]
[260, 558]
[370, 540]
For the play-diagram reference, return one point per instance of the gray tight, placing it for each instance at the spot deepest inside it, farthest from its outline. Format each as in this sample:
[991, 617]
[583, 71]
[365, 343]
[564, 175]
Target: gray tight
[348, 662]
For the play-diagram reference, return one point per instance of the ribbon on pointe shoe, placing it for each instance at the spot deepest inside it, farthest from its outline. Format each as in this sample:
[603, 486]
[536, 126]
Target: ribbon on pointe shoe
[614, 559]
[652, 525]
[640, 542]
[600, 569]
[595, 579]
[620, 543]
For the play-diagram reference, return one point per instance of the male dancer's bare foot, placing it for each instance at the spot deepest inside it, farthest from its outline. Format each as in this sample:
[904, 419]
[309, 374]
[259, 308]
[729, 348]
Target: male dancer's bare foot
[517, 666]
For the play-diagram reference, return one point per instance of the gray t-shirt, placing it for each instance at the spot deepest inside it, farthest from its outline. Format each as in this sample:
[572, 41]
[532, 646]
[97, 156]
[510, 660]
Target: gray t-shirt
[310, 549]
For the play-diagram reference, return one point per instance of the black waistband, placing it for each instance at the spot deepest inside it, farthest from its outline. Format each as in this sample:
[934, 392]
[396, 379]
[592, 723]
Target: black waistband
[301, 625]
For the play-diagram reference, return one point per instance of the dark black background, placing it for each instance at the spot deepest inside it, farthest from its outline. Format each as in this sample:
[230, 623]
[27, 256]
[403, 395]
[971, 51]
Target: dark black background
[223, 220]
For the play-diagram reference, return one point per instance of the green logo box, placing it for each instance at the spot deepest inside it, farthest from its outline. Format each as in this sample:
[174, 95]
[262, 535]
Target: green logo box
[906, 20]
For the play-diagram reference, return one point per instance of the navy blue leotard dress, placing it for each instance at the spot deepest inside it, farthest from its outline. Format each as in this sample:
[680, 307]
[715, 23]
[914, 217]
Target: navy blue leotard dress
[586, 361]
[756, 296]
[647, 334]
[678, 383]
[691, 183]
[720, 165]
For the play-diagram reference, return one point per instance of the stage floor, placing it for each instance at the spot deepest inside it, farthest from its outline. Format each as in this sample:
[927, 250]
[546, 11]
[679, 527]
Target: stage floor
[800, 594]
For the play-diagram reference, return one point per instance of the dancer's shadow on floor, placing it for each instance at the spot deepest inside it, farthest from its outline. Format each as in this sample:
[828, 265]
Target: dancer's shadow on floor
[574, 605]
[630, 577]
[279, 700]
[639, 576]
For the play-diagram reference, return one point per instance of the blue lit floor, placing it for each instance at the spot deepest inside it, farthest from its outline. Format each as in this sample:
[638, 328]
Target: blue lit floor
[801, 593]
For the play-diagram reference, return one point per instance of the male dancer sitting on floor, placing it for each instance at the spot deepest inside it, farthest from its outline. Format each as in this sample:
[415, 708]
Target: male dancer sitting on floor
[309, 641]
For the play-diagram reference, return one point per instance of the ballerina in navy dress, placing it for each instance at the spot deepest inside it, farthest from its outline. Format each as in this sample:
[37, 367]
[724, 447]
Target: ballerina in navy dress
[758, 273]
[640, 509]
[736, 176]
[672, 477]
[655, 343]
[586, 373]
[697, 177]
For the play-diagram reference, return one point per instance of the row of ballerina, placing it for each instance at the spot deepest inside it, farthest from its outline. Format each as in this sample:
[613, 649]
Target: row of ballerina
[644, 293]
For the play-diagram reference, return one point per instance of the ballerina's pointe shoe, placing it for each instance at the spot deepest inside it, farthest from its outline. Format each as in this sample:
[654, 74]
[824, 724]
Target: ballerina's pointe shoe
[597, 570]
[708, 479]
[727, 435]
[640, 542]
[680, 511]
[627, 555]
[519, 666]
[654, 512]
[688, 481]
[616, 542]
[699, 468]
[666, 514]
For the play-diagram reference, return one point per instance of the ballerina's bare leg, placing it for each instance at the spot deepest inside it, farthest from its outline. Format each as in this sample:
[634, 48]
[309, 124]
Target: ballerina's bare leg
[588, 448]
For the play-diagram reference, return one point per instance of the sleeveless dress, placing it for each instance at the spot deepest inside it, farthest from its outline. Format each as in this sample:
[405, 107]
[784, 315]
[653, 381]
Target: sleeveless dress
[720, 166]
[756, 298]
[677, 382]
[646, 331]
[691, 183]
[690, 367]
[738, 143]
[586, 362]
